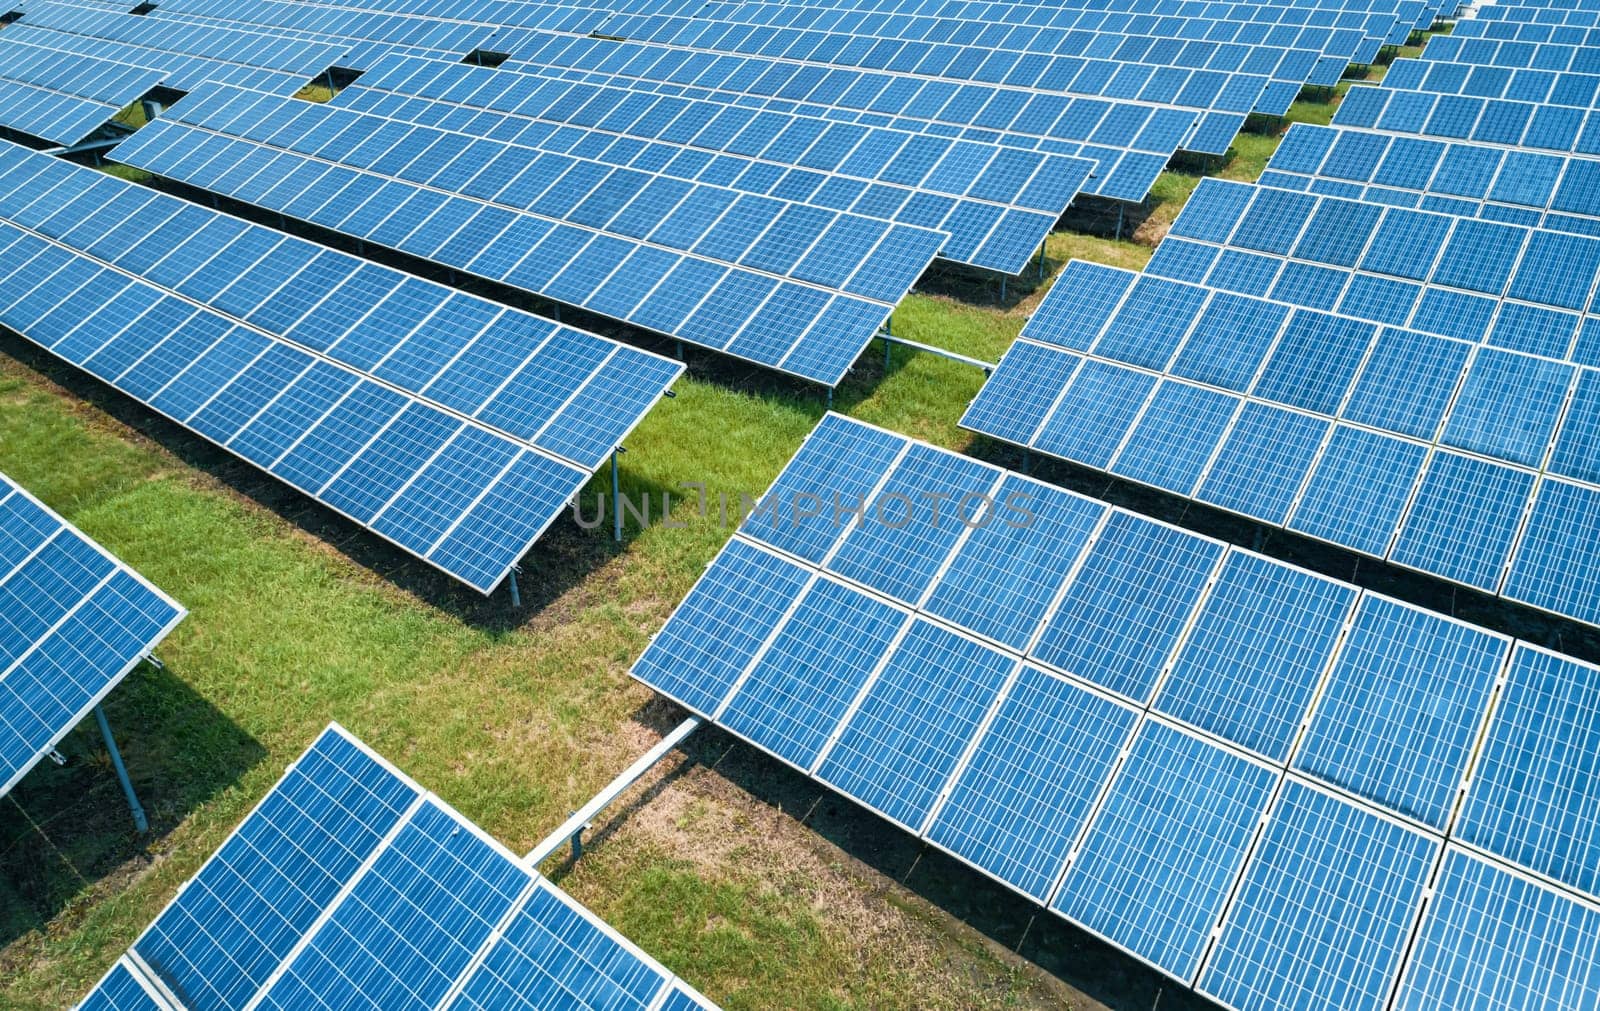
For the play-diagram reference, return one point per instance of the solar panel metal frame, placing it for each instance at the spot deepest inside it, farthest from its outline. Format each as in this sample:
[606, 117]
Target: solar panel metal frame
[180, 612]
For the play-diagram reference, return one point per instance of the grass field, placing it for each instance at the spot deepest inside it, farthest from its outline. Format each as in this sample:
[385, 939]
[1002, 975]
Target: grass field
[744, 878]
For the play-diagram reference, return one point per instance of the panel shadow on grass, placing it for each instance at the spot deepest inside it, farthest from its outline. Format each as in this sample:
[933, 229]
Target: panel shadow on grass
[67, 829]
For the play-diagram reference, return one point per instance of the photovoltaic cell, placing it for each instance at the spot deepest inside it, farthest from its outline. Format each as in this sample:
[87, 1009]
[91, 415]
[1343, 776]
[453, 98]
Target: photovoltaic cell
[1323, 911]
[1156, 867]
[1402, 709]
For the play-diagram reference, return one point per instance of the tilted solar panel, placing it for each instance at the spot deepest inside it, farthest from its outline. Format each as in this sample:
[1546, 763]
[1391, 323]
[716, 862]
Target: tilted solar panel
[73, 622]
[64, 97]
[452, 427]
[349, 886]
[1148, 687]
[996, 202]
[1423, 423]
[791, 287]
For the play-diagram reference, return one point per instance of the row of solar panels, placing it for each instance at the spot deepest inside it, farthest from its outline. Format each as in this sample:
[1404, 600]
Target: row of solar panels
[1067, 696]
[786, 290]
[73, 622]
[453, 427]
[1130, 141]
[1544, 191]
[351, 886]
[1118, 78]
[997, 203]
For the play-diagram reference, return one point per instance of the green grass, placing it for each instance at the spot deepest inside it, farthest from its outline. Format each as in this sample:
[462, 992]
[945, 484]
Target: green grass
[718, 865]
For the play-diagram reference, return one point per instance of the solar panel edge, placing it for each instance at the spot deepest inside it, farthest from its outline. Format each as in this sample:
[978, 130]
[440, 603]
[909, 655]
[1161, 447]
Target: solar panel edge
[118, 567]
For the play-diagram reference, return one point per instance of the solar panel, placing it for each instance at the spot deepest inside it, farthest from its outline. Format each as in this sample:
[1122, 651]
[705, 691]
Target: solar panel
[74, 621]
[454, 428]
[755, 277]
[350, 886]
[1493, 939]
[63, 97]
[997, 202]
[1170, 689]
[1377, 435]
[1130, 883]
[1324, 908]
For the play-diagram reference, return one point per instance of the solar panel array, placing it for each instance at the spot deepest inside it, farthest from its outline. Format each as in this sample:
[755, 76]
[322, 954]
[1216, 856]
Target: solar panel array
[73, 622]
[997, 204]
[1389, 343]
[794, 287]
[1545, 191]
[349, 886]
[188, 55]
[1066, 696]
[64, 98]
[453, 427]
[1122, 89]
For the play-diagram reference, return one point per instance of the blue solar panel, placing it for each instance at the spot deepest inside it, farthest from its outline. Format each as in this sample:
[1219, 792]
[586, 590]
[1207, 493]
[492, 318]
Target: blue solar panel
[737, 603]
[1173, 439]
[794, 696]
[347, 886]
[1131, 599]
[1323, 911]
[1139, 878]
[1554, 568]
[1263, 461]
[1508, 406]
[1257, 652]
[1402, 709]
[1030, 785]
[350, 397]
[1530, 796]
[1463, 520]
[73, 622]
[1494, 940]
[1002, 578]
[913, 520]
[1080, 301]
[1359, 489]
[901, 745]
[810, 503]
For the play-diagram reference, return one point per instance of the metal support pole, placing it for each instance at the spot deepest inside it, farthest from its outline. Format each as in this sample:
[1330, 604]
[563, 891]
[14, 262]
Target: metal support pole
[1120, 210]
[516, 595]
[678, 347]
[139, 820]
[616, 500]
[571, 830]
[1002, 289]
[1027, 461]
[1041, 261]
[830, 398]
[887, 347]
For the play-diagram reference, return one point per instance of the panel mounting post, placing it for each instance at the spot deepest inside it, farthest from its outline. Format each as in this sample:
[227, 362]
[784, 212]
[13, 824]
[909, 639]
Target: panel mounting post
[571, 831]
[511, 581]
[616, 498]
[1121, 208]
[1041, 261]
[134, 807]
